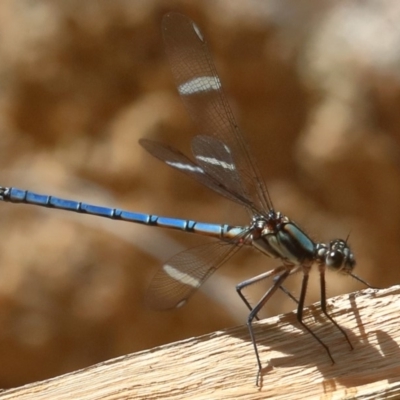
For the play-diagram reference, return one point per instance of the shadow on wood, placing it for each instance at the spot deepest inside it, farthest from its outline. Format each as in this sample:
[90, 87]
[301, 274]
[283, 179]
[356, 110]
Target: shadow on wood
[222, 365]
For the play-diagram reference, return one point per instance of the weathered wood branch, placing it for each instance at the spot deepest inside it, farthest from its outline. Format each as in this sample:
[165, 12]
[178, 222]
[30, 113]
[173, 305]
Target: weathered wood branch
[222, 365]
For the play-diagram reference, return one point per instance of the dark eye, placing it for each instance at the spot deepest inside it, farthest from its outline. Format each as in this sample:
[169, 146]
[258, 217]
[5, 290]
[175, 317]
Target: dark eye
[335, 259]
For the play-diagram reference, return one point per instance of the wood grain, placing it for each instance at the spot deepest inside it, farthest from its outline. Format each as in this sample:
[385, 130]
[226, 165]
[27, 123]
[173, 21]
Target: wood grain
[221, 365]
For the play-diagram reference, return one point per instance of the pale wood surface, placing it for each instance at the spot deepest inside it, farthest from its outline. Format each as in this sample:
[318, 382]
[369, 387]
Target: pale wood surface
[222, 365]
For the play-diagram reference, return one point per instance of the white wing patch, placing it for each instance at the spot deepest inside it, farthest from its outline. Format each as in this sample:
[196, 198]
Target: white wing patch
[181, 276]
[200, 84]
[183, 166]
[215, 161]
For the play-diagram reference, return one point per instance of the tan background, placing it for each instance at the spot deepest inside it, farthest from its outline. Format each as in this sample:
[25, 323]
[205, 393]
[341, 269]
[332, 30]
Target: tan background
[314, 85]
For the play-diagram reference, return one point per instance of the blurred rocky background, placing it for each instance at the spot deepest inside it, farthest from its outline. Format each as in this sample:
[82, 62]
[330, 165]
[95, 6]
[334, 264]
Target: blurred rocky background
[315, 86]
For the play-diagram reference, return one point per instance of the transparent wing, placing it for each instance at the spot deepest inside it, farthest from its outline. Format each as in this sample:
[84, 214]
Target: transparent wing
[216, 159]
[200, 89]
[178, 160]
[185, 272]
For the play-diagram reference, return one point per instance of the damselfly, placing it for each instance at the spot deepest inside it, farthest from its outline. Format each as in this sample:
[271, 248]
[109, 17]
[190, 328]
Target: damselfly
[223, 163]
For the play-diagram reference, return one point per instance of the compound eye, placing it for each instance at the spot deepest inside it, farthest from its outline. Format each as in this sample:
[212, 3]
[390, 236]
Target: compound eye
[335, 259]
